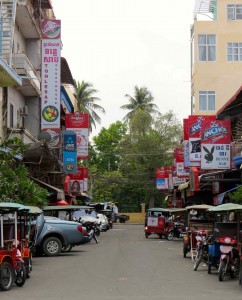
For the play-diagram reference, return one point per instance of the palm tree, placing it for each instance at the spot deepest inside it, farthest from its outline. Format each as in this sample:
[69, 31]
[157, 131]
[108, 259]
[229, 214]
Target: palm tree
[142, 100]
[86, 102]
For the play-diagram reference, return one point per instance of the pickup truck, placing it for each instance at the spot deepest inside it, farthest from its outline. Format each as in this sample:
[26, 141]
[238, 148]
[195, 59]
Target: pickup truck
[49, 236]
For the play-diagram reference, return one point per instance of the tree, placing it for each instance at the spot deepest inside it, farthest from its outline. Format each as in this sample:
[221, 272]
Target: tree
[142, 100]
[86, 102]
[15, 186]
[107, 147]
[236, 196]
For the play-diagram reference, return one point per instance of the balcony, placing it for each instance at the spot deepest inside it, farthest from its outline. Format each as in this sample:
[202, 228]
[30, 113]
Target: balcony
[27, 20]
[30, 79]
[7, 76]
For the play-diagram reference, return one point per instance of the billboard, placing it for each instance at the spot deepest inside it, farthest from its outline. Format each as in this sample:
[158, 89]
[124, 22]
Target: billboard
[215, 145]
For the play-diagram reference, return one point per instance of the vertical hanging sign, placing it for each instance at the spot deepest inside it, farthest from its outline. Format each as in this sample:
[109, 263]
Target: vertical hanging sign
[69, 152]
[79, 123]
[50, 74]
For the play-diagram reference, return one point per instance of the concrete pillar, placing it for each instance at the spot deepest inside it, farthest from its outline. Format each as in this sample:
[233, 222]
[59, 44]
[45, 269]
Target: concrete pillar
[142, 207]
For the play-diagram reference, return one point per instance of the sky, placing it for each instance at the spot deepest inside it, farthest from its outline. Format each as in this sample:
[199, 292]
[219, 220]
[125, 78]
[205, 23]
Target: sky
[118, 44]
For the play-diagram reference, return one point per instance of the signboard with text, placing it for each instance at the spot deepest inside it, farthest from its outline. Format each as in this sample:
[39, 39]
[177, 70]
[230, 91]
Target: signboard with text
[69, 152]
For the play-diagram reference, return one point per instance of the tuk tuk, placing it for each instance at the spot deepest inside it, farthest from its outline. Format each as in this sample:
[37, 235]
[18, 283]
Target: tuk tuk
[157, 221]
[199, 223]
[228, 224]
[12, 268]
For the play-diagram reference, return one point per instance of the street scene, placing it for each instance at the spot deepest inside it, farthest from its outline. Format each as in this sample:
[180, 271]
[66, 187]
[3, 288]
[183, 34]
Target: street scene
[120, 149]
[123, 265]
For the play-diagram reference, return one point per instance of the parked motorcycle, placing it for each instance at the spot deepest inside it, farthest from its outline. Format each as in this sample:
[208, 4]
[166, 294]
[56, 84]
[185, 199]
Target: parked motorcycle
[93, 229]
[202, 249]
[177, 231]
[229, 259]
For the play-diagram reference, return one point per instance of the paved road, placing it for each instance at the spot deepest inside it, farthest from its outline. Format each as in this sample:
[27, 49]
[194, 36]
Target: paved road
[123, 266]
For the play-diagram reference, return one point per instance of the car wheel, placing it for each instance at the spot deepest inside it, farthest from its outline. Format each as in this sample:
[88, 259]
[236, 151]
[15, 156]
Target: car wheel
[52, 246]
[122, 221]
[6, 276]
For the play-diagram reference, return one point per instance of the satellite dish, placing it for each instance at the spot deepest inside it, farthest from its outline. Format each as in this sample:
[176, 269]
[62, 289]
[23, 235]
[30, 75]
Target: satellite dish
[44, 136]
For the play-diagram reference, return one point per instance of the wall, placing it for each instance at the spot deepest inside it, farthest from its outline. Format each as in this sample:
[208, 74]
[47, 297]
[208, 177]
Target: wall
[138, 218]
[220, 76]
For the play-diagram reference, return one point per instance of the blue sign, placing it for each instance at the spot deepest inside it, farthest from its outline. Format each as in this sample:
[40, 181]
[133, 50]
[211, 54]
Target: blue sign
[69, 152]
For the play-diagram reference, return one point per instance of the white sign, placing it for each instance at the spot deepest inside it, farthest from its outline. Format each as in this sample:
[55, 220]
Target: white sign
[50, 83]
[152, 221]
[215, 156]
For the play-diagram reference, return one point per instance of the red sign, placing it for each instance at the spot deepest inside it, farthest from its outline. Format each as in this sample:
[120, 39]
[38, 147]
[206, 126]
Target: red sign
[76, 181]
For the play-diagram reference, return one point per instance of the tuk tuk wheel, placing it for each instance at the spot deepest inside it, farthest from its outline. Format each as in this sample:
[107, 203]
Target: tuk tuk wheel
[6, 276]
[20, 276]
[222, 270]
[28, 265]
[170, 236]
[66, 248]
[185, 251]
[146, 235]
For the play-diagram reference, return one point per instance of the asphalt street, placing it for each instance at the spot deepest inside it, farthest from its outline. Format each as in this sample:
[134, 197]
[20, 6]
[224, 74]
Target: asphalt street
[124, 265]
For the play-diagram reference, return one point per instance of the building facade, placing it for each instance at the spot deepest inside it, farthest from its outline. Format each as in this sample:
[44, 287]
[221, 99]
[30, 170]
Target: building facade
[216, 54]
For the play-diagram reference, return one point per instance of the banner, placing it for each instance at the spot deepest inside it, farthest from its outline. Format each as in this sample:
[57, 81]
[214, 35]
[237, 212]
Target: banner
[179, 163]
[69, 152]
[215, 143]
[79, 123]
[195, 126]
[50, 74]
[162, 179]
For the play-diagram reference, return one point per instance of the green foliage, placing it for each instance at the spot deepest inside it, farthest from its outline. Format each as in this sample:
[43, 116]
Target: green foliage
[236, 196]
[15, 186]
[87, 102]
[107, 147]
[141, 101]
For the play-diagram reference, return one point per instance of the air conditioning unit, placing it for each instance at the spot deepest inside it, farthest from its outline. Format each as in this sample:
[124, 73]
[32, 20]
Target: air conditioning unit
[24, 111]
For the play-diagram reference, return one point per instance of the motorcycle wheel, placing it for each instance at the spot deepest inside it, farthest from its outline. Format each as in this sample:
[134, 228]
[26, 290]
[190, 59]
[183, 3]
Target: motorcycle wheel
[28, 266]
[185, 251]
[20, 276]
[97, 231]
[6, 276]
[66, 248]
[198, 260]
[95, 238]
[222, 270]
[170, 236]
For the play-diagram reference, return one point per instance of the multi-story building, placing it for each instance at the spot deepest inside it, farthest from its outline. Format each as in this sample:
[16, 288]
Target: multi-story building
[216, 54]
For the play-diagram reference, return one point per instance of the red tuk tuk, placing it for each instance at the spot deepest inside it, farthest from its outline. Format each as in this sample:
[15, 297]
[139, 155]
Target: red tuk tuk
[157, 221]
[12, 267]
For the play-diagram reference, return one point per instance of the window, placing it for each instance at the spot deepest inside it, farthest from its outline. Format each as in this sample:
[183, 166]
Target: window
[11, 116]
[234, 52]
[206, 100]
[206, 47]
[234, 12]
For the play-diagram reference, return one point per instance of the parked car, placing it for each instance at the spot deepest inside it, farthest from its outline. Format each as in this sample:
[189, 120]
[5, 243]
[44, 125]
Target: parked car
[51, 235]
[121, 218]
[104, 225]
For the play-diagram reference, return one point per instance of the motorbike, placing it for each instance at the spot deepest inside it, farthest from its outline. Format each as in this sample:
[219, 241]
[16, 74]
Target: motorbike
[93, 229]
[229, 259]
[203, 242]
[177, 231]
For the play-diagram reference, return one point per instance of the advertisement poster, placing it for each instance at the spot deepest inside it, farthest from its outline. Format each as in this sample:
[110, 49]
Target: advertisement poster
[79, 123]
[187, 162]
[195, 127]
[215, 145]
[69, 152]
[162, 180]
[179, 162]
[50, 74]
[77, 181]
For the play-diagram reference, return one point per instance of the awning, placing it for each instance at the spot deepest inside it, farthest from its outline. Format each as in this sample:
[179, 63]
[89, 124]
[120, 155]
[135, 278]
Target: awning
[7, 76]
[183, 186]
[52, 189]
